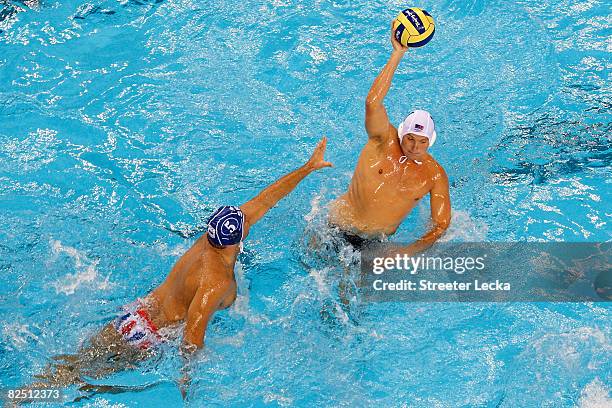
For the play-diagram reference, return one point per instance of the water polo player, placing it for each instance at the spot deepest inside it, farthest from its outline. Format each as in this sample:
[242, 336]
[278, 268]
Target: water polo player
[393, 173]
[200, 283]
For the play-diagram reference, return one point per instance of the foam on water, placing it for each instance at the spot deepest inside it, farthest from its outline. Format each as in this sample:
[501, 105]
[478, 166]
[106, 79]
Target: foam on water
[87, 272]
[315, 208]
[595, 394]
[464, 228]
[104, 403]
[17, 335]
[241, 306]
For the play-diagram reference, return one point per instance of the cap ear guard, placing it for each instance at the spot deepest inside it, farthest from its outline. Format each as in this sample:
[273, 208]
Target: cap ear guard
[400, 131]
[432, 140]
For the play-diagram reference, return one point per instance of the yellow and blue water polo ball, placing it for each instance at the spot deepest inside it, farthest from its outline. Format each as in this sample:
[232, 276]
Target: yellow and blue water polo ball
[413, 27]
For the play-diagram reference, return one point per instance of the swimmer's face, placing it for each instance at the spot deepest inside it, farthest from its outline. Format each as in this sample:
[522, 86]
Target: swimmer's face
[415, 146]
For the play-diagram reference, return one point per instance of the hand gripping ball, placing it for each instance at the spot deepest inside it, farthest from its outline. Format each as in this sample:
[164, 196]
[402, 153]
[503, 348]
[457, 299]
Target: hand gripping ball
[413, 27]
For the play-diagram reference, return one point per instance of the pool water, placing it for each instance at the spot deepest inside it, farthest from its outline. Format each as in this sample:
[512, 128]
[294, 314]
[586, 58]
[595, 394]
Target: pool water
[123, 124]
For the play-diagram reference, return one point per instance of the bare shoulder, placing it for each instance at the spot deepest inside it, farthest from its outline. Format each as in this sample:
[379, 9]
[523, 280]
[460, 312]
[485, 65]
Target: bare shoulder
[437, 172]
[391, 143]
[215, 283]
[218, 292]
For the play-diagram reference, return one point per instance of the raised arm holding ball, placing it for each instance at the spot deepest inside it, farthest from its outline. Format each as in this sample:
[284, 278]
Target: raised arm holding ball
[394, 171]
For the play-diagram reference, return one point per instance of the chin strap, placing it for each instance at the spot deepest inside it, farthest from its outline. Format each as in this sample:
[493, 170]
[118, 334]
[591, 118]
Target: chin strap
[241, 247]
[403, 160]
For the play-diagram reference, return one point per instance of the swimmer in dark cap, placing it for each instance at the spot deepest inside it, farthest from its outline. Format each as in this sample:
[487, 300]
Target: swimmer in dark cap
[200, 283]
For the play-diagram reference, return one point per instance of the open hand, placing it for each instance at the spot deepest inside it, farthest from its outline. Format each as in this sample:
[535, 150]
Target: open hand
[317, 161]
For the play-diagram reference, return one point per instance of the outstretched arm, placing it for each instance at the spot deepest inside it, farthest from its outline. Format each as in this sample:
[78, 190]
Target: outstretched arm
[377, 122]
[256, 208]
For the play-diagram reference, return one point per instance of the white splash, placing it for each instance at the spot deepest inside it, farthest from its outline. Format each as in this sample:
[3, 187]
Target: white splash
[17, 335]
[241, 304]
[315, 208]
[323, 287]
[320, 278]
[240, 308]
[463, 228]
[86, 268]
[103, 403]
[595, 395]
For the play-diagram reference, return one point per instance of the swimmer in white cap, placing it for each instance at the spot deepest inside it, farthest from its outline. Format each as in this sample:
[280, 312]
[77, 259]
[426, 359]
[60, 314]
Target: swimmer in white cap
[393, 173]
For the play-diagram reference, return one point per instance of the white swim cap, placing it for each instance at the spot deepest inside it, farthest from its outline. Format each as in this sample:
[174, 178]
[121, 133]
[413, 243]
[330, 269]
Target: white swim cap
[419, 123]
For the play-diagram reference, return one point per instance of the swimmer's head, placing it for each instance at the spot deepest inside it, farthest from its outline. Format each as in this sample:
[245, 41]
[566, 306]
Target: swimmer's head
[416, 133]
[226, 226]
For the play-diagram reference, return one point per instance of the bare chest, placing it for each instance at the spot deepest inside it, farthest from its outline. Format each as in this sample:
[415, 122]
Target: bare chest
[394, 183]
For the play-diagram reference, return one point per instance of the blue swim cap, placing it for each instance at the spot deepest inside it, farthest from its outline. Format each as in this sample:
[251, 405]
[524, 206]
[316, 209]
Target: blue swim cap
[225, 226]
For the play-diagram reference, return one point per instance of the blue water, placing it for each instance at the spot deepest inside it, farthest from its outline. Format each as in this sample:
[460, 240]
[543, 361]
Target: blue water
[124, 123]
